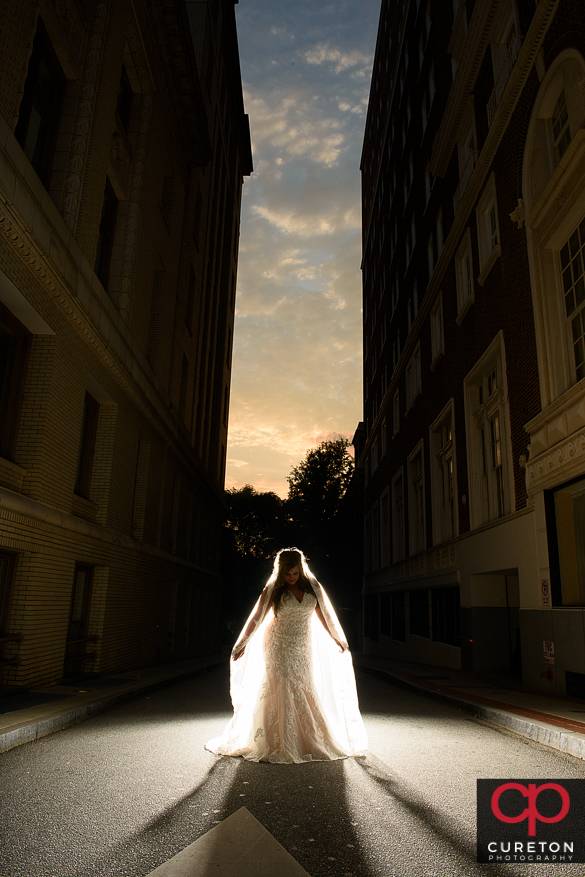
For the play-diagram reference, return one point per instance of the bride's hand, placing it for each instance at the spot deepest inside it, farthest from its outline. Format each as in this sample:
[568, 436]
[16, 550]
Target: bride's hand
[342, 646]
[239, 654]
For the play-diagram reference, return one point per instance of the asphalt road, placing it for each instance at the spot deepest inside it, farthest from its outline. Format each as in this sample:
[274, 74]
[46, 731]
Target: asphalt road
[118, 795]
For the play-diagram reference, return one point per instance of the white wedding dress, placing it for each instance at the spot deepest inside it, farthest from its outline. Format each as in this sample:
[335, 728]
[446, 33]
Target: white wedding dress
[293, 691]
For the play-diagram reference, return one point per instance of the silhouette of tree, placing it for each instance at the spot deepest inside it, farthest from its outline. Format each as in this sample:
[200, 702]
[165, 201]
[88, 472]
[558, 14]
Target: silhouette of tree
[253, 533]
[255, 520]
[318, 517]
[316, 490]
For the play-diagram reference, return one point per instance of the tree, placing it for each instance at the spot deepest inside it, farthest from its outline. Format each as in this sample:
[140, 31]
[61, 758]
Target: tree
[252, 534]
[255, 520]
[316, 489]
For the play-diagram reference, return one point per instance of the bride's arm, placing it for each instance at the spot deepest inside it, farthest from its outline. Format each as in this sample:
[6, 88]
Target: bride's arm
[342, 646]
[252, 623]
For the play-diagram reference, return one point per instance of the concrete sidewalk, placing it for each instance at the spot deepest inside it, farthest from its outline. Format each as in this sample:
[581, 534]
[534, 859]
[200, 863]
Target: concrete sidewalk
[558, 722]
[555, 721]
[29, 715]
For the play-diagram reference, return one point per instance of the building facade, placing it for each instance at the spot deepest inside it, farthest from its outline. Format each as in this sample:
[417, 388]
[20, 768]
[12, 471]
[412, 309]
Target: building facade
[473, 209]
[123, 147]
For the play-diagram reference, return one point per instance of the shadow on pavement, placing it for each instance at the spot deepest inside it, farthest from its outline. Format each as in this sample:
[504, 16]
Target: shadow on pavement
[433, 818]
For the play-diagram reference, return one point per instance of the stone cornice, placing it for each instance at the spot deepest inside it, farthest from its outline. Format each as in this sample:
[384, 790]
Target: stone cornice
[17, 504]
[559, 464]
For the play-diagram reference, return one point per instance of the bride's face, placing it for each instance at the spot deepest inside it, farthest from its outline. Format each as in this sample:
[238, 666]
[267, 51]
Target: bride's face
[292, 576]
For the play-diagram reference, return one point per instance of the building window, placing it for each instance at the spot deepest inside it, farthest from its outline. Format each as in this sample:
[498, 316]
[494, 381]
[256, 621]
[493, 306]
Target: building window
[431, 86]
[439, 233]
[443, 477]
[156, 302]
[374, 546]
[124, 102]
[488, 437]
[445, 613]
[413, 378]
[416, 502]
[437, 334]
[197, 216]
[561, 130]
[184, 386]
[565, 513]
[424, 112]
[371, 617]
[396, 413]
[167, 201]
[105, 244]
[398, 517]
[467, 156]
[419, 613]
[191, 304]
[86, 450]
[398, 616]
[572, 256]
[395, 351]
[428, 183]
[393, 616]
[464, 277]
[40, 109]
[76, 649]
[431, 254]
[374, 455]
[488, 231]
[14, 347]
[385, 529]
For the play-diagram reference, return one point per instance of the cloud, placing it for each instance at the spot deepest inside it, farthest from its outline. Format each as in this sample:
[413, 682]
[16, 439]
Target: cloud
[342, 60]
[291, 121]
[306, 224]
[297, 370]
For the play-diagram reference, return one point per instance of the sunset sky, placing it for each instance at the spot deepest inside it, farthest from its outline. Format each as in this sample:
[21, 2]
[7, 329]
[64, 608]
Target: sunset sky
[297, 348]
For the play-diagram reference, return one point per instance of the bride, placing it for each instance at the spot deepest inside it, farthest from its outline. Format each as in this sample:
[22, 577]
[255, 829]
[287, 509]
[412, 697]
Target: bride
[292, 681]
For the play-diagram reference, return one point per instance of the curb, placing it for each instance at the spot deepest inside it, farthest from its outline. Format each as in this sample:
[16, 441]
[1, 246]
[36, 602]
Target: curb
[552, 736]
[27, 732]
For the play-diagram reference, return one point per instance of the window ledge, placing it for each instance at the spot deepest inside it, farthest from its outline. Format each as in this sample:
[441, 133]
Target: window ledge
[494, 256]
[468, 302]
[84, 508]
[11, 475]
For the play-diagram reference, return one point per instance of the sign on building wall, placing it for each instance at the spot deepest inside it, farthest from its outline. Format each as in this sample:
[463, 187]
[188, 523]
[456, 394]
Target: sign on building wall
[549, 651]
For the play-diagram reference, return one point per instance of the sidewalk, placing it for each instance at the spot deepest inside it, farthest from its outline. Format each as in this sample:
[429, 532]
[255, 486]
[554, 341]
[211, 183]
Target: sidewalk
[555, 721]
[42, 711]
[558, 722]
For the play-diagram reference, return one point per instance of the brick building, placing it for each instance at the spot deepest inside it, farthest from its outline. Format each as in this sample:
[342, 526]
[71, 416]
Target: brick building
[123, 146]
[474, 353]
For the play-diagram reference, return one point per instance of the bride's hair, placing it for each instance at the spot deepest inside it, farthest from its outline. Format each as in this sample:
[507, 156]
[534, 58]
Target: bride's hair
[285, 560]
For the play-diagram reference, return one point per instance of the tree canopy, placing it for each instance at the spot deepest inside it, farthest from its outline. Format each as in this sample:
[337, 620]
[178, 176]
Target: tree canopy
[255, 521]
[317, 485]
[315, 517]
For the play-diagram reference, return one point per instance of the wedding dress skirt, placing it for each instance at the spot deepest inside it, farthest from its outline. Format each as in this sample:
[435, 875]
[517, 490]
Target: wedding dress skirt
[291, 709]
